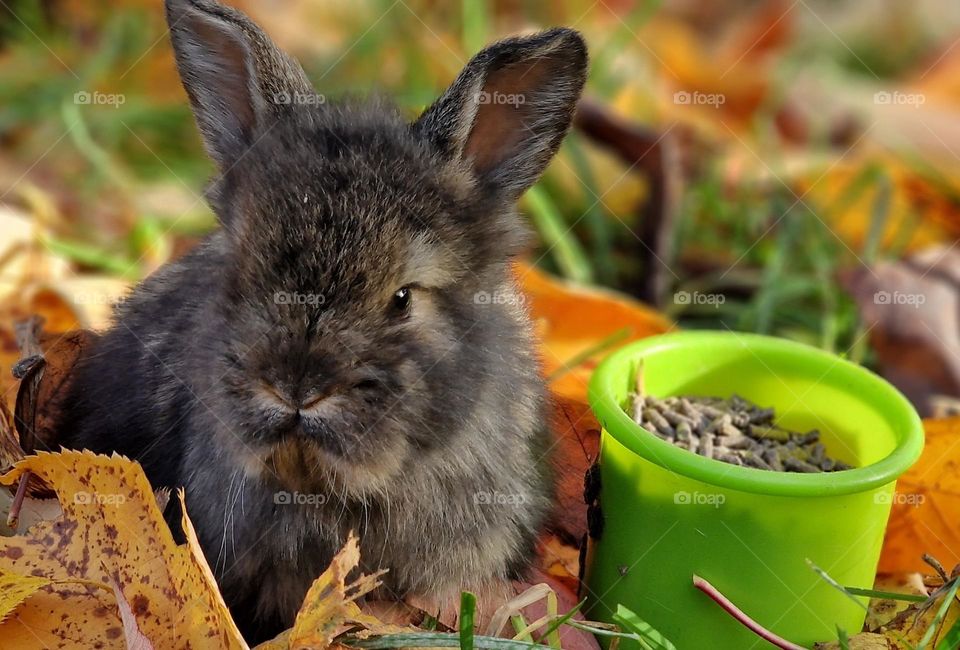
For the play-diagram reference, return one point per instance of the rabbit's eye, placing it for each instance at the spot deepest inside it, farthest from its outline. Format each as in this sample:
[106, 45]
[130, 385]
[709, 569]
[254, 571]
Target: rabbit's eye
[401, 299]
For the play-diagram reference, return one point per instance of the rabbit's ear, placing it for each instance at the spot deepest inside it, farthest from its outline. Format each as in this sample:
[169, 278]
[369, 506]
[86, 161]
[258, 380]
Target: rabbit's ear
[508, 110]
[238, 81]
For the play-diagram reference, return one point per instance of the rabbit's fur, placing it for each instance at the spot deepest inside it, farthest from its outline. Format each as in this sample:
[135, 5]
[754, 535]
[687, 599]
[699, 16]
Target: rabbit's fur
[274, 372]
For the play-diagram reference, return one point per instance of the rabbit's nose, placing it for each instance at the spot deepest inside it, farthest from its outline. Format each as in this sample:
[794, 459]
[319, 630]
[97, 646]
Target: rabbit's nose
[275, 395]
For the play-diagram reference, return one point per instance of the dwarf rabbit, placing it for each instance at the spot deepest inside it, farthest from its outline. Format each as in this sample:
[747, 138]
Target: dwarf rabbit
[347, 352]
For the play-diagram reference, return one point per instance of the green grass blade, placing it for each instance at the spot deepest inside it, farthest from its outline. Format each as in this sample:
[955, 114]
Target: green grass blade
[476, 25]
[651, 637]
[885, 595]
[879, 215]
[92, 256]
[558, 238]
[941, 614]
[555, 625]
[836, 585]
[468, 610]
[951, 641]
[596, 219]
[519, 625]
[842, 639]
[435, 640]
[578, 359]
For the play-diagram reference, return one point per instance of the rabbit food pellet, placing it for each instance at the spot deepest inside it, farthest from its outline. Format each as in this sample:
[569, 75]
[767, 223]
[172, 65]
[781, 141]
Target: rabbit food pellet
[734, 431]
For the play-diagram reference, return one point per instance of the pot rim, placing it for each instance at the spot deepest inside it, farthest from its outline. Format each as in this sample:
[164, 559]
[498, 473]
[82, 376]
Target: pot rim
[886, 399]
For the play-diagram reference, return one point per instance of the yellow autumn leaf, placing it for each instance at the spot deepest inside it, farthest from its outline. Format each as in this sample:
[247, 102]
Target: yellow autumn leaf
[330, 607]
[14, 589]
[111, 530]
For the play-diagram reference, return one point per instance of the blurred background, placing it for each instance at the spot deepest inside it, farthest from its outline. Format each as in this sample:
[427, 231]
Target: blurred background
[783, 167]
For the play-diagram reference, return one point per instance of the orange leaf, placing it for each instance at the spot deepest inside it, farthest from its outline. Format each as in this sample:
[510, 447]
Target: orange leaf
[926, 510]
[570, 320]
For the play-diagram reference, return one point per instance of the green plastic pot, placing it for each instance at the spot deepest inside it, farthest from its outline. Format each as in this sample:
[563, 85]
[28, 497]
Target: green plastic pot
[669, 514]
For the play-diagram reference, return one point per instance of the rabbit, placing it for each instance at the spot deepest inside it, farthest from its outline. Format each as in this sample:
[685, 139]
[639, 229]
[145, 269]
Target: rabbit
[348, 350]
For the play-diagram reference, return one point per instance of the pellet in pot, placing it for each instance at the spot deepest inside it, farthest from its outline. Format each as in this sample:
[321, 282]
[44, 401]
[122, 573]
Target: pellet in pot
[652, 415]
[751, 459]
[733, 459]
[733, 431]
[792, 464]
[772, 458]
[730, 430]
[762, 416]
[676, 419]
[706, 445]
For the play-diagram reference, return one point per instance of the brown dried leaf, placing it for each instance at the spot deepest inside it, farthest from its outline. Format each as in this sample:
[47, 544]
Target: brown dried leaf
[911, 309]
[45, 383]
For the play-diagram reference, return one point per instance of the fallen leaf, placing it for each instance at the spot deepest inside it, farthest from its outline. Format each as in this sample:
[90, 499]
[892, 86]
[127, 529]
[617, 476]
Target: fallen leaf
[135, 639]
[862, 641]
[571, 320]
[910, 308]
[14, 589]
[881, 612]
[925, 517]
[110, 529]
[39, 404]
[330, 607]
